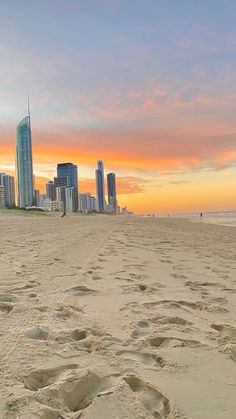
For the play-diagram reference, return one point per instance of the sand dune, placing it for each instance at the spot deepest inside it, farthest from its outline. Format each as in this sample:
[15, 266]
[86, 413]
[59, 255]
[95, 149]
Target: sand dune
[115, 317]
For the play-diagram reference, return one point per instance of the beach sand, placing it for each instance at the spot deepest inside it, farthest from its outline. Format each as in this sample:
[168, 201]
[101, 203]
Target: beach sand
[117, 317]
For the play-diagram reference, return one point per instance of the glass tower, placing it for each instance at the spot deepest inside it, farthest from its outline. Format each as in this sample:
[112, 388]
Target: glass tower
[24, 163]
[100, 186]
[69, 171]
[111, 189]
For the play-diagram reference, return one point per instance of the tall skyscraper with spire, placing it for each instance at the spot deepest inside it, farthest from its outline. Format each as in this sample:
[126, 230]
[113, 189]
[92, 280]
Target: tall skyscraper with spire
[24, 163]
[100, 186]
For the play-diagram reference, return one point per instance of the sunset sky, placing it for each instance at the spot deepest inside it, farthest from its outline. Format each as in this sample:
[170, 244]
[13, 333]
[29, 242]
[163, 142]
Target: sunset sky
[147, 86]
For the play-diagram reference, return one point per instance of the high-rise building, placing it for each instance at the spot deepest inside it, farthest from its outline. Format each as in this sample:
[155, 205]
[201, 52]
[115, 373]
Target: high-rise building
[9, 187]
[61, 196]
[100, 186]
[69, 171]
[94, 204]
[37, 197]
[2, 196]
[69, 198]
[51, 190]
[24, 163]
[111, 189]
[85, 202]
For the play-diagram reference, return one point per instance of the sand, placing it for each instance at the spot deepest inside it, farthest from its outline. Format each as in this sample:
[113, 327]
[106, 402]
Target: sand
[117, 317]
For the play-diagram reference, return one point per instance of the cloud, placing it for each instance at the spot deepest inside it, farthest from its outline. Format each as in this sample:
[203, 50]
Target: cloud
[125, 185]
[153, 150]
[209, 147]
[126, 104]
[131, 185]
[178, 182]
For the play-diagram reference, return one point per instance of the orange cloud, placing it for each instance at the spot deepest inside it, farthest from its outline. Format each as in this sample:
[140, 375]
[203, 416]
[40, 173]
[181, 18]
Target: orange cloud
[143, 151]
[131, 185]
[125, 185]
[192, 146]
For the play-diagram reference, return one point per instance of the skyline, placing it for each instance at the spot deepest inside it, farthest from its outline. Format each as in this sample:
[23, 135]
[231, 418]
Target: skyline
[149, 90]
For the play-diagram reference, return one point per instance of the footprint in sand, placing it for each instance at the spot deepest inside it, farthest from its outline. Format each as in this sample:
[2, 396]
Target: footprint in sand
[186, 305]
[166, 260]
[32, 295]
[142, 287]
[155, 402]
[44, 377]
[137, 287]
[93, 269]
[39, 333]
[6, 307]
[176, 321]
[143, 357]
[24, 287]
[173, 342]
[226, 333]
[70, 336]
[97, 277]
[8, 298]
[143, 323]
[75, 391]
[80, 290]
[195, 286]
[179, 276]
[36, 332]
[139, 332]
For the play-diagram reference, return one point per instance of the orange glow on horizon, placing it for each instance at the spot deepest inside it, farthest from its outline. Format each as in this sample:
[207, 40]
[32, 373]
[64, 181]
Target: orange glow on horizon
[156, 165]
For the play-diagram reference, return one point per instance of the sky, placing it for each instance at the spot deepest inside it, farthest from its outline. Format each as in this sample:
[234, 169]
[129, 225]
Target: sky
[147, 86]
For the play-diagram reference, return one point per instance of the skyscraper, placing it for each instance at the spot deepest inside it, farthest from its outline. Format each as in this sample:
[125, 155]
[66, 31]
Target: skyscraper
[111, 189]
[24, 163]
[37, 197]
[2, 196]
[9, 189]
[69, 197]
[69, 171]
[100, 186]
[51, 190]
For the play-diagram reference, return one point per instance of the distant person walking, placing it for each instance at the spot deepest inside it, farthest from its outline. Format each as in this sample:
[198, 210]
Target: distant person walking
[63, 214]
[201, 214]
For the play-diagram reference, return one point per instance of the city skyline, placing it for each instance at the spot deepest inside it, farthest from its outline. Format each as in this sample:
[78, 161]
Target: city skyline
[61, 193]
[149, 89]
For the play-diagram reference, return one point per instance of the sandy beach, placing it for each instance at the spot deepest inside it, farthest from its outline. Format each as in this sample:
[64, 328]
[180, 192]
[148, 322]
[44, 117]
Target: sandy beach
[117, 317]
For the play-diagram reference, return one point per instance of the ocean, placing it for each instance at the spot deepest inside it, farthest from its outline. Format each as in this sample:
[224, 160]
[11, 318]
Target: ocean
[227, 218]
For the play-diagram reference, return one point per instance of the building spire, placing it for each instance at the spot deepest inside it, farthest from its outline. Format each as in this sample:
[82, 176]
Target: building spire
[28, 106]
